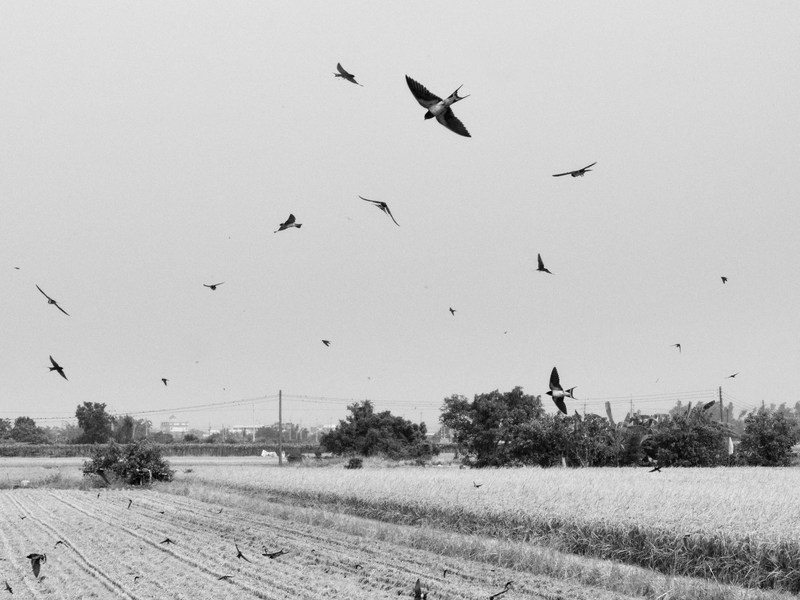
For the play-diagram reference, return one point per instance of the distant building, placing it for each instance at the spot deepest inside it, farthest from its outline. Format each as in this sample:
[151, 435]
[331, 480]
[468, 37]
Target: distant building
[174, 427]
[244, 430]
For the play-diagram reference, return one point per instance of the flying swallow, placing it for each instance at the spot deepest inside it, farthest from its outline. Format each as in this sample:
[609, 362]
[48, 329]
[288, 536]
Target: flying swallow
[51, 301]
[345, 75]
[129, 502]
[274, 555]
[541, 266]
[418, 595]
[213, 286]
[57, 543]
[136, 579]
[732, 376]
[164, 380]
[36, 562]
[477, 485]
[655, 469]
[383, 206]
[57, 368]
[578, 173]
[8, 588]
[438, 108]
[678, 346]
[557, 393]
[505, 589]
[326, 342]
[166, 541]
[724, 279]
[226, 577]
[452, 311]
[239, 552]
[290, 222]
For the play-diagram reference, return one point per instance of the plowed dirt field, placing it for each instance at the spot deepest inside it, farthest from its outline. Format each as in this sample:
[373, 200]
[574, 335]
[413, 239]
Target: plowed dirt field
[112, 551]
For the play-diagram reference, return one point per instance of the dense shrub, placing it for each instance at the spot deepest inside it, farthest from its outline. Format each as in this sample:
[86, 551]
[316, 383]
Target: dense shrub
[130, 463]
[354, 463]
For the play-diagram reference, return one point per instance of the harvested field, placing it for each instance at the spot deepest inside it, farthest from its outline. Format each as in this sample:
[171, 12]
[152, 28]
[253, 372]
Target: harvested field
[110, 551]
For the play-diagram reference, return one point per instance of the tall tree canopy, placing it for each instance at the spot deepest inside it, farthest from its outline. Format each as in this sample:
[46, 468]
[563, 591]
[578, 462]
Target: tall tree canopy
[96, 423]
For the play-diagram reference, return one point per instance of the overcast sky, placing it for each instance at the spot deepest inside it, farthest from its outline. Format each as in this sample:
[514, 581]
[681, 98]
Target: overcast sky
[148, 148]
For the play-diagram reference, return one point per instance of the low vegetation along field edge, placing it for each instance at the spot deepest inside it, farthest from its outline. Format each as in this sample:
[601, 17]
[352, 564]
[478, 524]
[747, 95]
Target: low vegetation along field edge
[736, 561]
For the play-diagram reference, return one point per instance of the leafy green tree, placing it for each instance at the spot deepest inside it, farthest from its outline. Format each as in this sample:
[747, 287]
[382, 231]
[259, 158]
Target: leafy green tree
[768, 437]
[130, 463]
[96, 423]
[500, 428]
[368, 433]
[689, 438]
[5, 429]
[26, 431]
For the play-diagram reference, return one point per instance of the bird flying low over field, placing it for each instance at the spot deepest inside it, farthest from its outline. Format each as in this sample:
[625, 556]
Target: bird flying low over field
[226, 577]
[345, 75]
[36, 562]
[213, 286]
[557, 393]
[503, 591]
[541, 266]
[51, 301]
[577, 173]
[383, 206]
[129, 502]
[57, 368]
[8, 588]
[274, 555]
[239, 552]
[290, 222]
[476, 484]
[166, 541]
[438, 108]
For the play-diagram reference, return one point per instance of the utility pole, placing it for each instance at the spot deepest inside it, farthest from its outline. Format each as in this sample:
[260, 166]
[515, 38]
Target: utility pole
[720, 404]
[254, 422]
[280, 428]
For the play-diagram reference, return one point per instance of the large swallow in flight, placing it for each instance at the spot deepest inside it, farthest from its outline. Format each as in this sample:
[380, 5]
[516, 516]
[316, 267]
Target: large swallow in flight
[438, 108]
[290, 222]
[345, 75]
[58, 368]
[383, 206]
[557, 393]
[51, 301]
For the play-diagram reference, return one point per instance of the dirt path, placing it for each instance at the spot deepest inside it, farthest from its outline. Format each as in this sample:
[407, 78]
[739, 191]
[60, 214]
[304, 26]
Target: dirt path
[112, 551]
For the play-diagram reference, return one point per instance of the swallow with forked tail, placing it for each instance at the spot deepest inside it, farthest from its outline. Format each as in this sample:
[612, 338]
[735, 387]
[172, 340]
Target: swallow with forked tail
[290, 222]
[345, 75]
[438, 108]
[557, 393]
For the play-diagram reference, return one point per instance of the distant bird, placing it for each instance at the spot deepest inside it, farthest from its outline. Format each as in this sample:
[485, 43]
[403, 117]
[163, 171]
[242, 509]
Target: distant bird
[477, 485]
[136, 579]
[273, 555]
[656, 469]
[438, 108]
[166, 541]
[57, 368]
[239, 552]
[503, 591]
[557, 393]
[578, 173]
[57, 543]
[345, 75]
[51, 301]
[36, 562]
[164, 380]
[444, 574]
[290, 222]
[23, 517]
[8, 588]
[358, 566]
[724, 279]
[129, 502]
[732, 376]
[326, 342]
[213, 286]
[418, 595]
[678, 346]
[541, 266]
[221, 577]
[220, 511]
[383, 206]
[452, 311]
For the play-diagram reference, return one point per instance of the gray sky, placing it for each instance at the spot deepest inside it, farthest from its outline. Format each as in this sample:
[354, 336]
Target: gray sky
[147, 148]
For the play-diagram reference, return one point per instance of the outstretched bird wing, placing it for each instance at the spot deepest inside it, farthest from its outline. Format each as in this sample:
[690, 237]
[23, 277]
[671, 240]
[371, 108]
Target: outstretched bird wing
[388, 212]
[290, 220]
[341, 70]
[560, 404]
[41, 290]
[449, 120]
[421, 93]
[61, 309]
[588, 166]
[555, 382]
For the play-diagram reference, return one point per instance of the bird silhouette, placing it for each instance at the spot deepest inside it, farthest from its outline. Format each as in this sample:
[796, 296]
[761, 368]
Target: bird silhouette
[213, 286]
[438, 108]
[656, 469]
[274, 555]
[239, 553]
[541, 266]
[477, 485]
[732, 376]
[57, 368]
[129, 502]
[418, 594]
[557, 393]
[8, 588]
[290, 222]
[577, 173]
[164, 380]
[326, 342]
[136, 579]
[221, 577]
[51, 301]
[166, 541]
[503, 591]
[23, 517]
[444, 574]
[678, 346]
[345, 75]
[57, 543]
[452, 311]
[724, 279]
[36, 562]
[383, 206]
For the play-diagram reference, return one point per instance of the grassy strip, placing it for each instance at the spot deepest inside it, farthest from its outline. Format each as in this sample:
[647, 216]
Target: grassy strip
[508, 553]
[740, 562]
